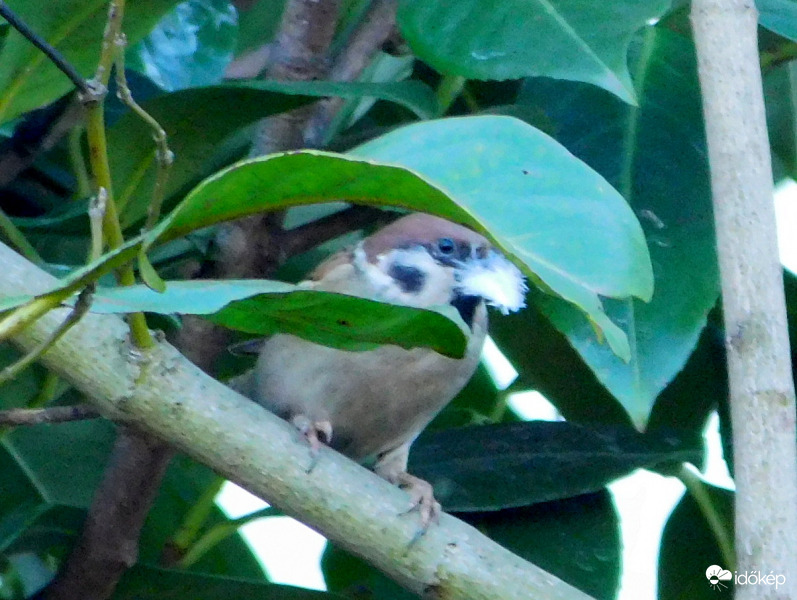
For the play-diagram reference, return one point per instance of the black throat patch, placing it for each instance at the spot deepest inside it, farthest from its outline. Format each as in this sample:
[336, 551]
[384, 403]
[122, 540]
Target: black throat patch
[466, 307]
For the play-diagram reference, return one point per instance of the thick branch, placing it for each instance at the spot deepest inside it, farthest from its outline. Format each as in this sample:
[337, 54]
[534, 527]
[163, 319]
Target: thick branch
[108, 544]
[299, 54]
[761, 387]
[173, 399]
[369, 37]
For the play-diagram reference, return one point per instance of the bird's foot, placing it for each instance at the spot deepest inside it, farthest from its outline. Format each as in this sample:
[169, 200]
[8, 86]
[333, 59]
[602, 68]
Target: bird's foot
[421, 499]
[317, 433]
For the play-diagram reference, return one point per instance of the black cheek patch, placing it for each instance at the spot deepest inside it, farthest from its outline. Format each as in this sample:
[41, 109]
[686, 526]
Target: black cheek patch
[410, 279]
[466, 307]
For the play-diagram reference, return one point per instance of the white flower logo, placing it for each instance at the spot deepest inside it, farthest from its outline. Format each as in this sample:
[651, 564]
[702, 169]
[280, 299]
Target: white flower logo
[716, 575]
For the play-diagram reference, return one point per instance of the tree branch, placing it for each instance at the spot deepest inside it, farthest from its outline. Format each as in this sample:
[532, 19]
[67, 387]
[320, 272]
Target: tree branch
[254, 448]
[759, 367]
[54, 414]
[108, 544]
[368, 38]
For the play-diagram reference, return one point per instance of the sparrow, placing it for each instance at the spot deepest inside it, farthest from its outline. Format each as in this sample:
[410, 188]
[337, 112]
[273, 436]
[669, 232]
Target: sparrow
[372, 405]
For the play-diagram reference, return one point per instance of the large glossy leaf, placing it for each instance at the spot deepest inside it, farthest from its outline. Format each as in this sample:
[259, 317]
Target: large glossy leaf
[576, 539]
[544, 207]
[191, 46]
[198, 120]
[152, 583]
[28, 79]
[267, 307]
[310, 177]
[688, 548]
[779, 16]
[579, 40]
[62, 463]
[655, 155]
[502, 466]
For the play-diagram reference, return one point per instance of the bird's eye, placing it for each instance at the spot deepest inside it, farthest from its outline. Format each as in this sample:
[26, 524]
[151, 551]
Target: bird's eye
[446, 245]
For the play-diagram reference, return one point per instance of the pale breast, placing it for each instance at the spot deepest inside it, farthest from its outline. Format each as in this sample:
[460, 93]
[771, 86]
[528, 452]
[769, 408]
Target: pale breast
[375, 400]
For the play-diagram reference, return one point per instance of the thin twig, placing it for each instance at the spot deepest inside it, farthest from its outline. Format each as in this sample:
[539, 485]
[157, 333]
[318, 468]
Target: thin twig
[164, 157]
[97, 206]
[305, 237]
[78, 162]
[53, 414]
[100, 167]
[51, 53]
[81, 308]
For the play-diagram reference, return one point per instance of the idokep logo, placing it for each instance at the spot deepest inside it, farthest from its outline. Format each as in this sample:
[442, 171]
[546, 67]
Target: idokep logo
[716, 576]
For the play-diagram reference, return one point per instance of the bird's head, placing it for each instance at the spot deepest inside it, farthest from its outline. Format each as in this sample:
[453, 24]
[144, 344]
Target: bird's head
[421, 260]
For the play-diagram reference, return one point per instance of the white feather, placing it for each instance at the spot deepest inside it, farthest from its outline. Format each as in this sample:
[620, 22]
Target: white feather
[495, 279]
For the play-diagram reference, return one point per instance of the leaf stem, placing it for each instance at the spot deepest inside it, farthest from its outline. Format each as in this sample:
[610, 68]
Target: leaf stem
[697, 488]
[220, 532]
[98, 158]
[196, 517]
[164, 157]
[448, 90]
[18, 239]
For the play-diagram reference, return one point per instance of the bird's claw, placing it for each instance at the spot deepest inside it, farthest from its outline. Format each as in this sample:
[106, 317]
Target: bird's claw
[317, 433]
[422, 500]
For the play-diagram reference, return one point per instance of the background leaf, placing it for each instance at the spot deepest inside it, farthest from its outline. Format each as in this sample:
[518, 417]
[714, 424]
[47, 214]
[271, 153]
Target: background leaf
[28, 80]
[502, 466]
[688, 548]
[198, 120]
[573, 39]
[662, 171]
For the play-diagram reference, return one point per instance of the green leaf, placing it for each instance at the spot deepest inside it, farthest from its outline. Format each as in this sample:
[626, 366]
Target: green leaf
[354, 578]
[191, 46]
[198, 120]
[688, 548]
[83, 276]
[62, 463]
[547, 363]
[578, 40]
[576, 539]
[268, 307]
[493, 467]
[28, 79]
[655, 155]
[153, 583]
[538, 202]
[779, 16]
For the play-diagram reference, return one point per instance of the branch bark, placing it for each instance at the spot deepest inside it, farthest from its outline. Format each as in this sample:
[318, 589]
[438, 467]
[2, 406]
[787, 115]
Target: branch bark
[176, 401]
[108, 544]
[761, 388]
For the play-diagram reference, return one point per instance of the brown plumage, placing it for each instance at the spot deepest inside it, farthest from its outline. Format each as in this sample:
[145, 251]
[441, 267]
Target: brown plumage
[373, 404]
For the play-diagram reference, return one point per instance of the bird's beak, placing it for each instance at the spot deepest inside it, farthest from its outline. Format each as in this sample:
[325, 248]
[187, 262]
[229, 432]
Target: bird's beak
[493, 278]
